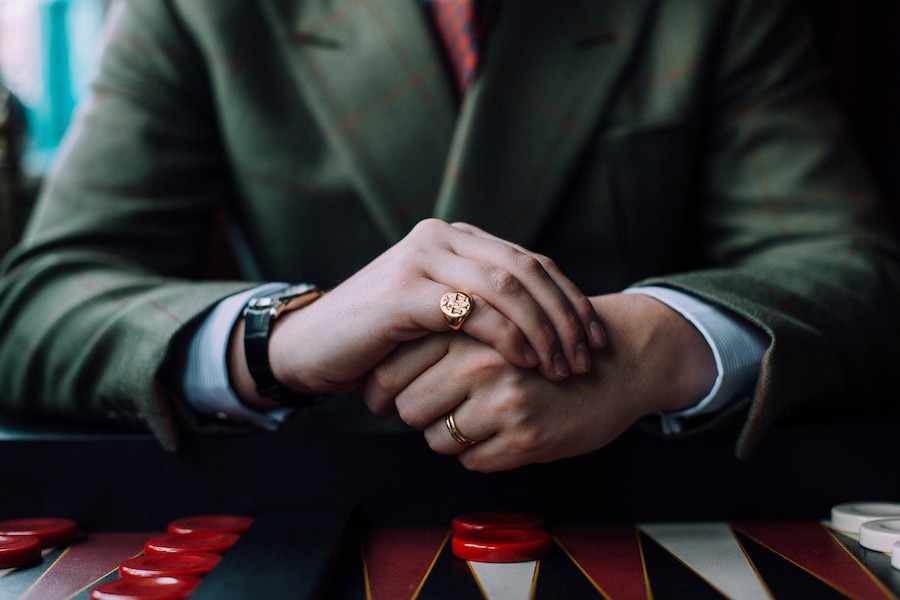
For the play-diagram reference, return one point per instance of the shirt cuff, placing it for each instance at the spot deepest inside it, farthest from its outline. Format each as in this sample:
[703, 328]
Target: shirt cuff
[204, 381]
[737, 346]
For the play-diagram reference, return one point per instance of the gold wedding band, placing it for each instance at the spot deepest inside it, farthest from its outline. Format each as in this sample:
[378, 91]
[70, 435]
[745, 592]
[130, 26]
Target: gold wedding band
[455, 432]
[456, 307]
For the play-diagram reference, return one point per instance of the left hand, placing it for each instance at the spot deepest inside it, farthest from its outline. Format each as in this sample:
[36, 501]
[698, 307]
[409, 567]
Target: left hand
[655, 360]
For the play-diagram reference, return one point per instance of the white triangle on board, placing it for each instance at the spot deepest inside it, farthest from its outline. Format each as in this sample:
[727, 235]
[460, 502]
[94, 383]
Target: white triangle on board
[714, 553]
[506, 581]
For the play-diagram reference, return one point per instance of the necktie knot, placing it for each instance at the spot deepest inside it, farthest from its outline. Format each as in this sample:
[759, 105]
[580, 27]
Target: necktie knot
[461, 32]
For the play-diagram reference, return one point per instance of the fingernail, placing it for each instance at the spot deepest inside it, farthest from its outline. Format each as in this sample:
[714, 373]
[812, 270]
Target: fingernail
[598, 336]
[530, 355]
[582, 358]
[560, 367]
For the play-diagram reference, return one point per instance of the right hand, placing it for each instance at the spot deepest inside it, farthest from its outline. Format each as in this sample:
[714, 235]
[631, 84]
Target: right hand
[524, 307]
[655, 361]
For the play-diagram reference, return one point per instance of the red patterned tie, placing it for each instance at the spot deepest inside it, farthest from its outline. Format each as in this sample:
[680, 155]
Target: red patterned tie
[455, 21]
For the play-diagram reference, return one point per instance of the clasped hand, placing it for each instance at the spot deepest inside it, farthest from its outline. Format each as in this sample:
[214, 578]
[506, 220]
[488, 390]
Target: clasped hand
[524, 308]
[655, 360]
[518, 375]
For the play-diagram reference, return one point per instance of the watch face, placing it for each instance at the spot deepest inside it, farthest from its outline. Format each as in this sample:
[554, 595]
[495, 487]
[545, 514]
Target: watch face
[261, 303]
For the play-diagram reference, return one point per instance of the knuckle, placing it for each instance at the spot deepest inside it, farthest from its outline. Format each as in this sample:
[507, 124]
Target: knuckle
[584, 307]
[474, 462]
[545, 342]
[505, 283]
[571, 320]
[528, 441]
[517, 410]
[548, 263]
[524, 439]
[508, 336]
[512, 405]
[428, 227]
[530, 265]
[434, 439]
[382, 380]
[406, 411]
[487, 364]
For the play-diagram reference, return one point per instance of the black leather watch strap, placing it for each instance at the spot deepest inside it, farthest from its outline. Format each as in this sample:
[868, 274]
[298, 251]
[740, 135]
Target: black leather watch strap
[259, 313]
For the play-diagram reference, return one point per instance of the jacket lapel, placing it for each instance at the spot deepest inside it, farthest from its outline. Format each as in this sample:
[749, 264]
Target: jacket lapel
[372, 75]
[548, 80]
[371, 72]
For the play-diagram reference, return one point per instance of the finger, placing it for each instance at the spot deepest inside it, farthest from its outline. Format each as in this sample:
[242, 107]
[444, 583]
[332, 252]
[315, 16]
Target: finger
[484, 323]
[436, 391]
[493, 448]
[596, 335]
[399, 369]
[514, 283]
[468, 425]
[518, 286]
[536, 282]
[494, 454]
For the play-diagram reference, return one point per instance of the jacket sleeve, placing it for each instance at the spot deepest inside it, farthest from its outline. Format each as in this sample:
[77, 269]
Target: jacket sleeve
[791, 221]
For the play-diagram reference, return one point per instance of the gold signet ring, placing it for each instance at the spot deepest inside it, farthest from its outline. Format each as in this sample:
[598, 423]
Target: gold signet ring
[455, 432]
[456, 307]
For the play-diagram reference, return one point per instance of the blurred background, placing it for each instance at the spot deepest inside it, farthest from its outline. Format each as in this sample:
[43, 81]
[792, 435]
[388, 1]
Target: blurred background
[49, 50]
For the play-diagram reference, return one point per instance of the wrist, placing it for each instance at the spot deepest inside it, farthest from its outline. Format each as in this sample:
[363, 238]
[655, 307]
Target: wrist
[260, 317]
[290, 347]
[669, 360]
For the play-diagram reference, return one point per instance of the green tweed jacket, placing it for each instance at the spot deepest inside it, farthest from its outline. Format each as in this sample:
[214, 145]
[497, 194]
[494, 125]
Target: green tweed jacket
[687, 144]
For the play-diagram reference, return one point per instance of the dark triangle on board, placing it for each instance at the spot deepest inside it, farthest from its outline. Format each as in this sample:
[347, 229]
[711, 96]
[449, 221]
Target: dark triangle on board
[560, 577]
[784, 578]
[449, 579]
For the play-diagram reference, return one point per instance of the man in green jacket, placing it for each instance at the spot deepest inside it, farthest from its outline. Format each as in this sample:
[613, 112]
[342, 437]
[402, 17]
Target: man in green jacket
[651, 207]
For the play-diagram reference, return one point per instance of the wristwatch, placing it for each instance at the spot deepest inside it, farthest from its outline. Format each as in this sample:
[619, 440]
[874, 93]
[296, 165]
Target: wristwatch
[259, 313]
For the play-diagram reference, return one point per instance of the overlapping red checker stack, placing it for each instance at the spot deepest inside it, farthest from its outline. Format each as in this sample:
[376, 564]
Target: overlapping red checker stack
[173, 564]
[21, 540]
[170, 569]
[500, 537]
